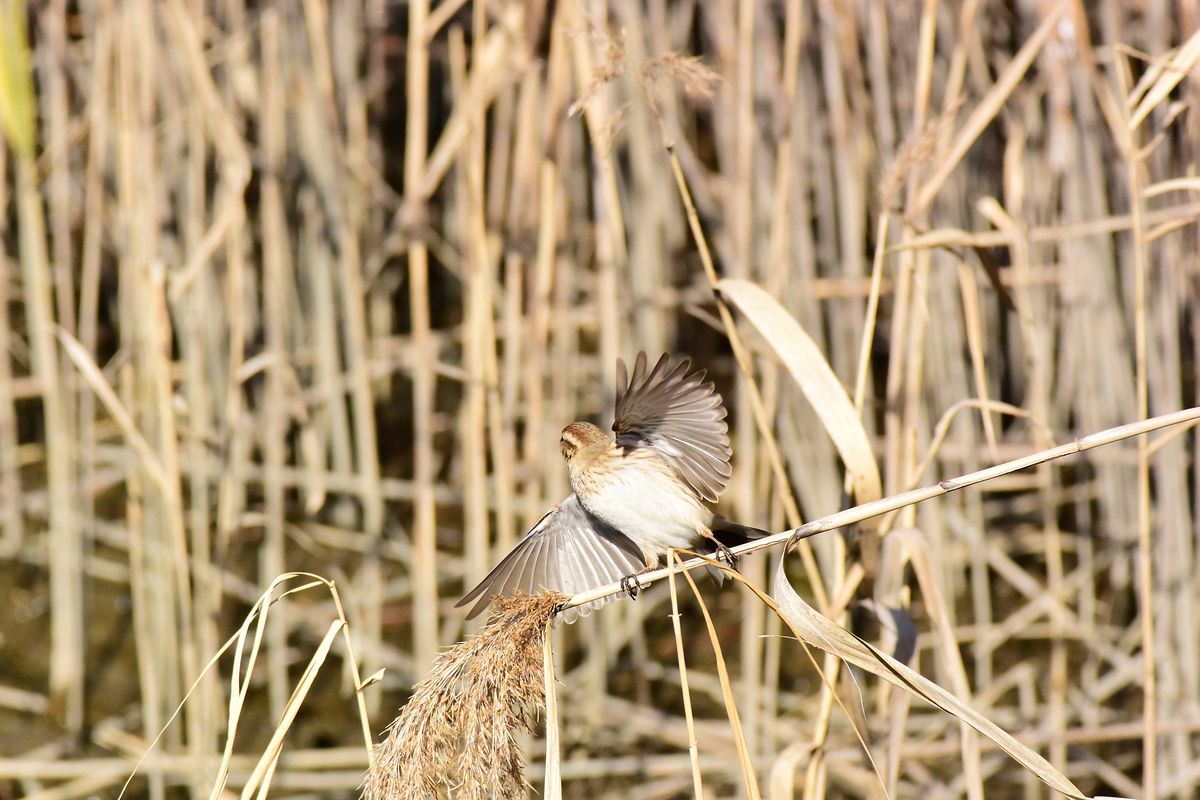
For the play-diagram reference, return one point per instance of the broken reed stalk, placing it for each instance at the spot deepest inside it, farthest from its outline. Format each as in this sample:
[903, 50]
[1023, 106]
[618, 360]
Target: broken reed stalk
[859, 513]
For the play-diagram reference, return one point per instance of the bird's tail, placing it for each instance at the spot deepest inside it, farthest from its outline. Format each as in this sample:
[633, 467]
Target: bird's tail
[731, 534]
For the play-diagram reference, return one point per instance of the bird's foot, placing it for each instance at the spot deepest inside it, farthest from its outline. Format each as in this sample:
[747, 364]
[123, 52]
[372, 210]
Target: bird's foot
[632, 586]
[724, 554]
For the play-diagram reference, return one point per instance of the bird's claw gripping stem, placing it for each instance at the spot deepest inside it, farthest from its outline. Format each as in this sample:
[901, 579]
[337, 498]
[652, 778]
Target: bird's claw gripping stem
[632, 586]
[726, 555]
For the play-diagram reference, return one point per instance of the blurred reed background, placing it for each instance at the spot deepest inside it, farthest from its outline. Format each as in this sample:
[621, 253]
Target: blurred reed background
[313, 285]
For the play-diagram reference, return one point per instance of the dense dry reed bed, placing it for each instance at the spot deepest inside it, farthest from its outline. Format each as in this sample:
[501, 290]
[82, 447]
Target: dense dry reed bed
[312, 285]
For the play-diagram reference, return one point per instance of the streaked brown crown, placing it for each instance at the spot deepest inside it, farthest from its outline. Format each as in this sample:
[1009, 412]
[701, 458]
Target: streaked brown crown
[580, 436]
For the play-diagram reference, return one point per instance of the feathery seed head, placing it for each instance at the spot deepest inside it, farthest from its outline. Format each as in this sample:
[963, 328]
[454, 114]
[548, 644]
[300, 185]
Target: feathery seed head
[460, 733]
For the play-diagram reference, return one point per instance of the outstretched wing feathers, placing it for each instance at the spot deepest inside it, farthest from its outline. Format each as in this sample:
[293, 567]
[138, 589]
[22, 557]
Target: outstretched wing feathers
[679, 415]
[568, 551]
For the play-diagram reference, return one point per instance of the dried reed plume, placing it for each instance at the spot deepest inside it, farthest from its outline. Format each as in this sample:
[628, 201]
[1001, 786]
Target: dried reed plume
[917, 150]
[689, 73]
[459, 730]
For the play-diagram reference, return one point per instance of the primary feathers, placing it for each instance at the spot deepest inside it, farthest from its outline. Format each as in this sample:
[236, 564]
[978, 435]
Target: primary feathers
[635, 496]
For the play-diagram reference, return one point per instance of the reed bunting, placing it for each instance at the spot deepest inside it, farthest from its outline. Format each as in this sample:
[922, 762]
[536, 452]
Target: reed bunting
[635, 497]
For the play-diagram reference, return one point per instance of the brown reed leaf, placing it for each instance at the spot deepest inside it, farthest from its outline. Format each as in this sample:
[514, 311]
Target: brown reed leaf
[813, 628]
[458, 733]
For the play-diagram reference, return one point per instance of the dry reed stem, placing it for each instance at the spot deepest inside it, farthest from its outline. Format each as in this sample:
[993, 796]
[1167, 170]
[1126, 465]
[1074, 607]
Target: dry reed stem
[425, 634]
[857, 514]
[1145, 567]
[681, 657]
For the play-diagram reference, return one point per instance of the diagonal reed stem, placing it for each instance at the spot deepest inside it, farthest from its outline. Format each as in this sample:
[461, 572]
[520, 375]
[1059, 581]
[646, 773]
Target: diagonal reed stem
[859, 513]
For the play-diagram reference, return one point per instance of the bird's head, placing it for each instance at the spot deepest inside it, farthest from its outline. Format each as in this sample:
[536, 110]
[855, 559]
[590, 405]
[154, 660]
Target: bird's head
[580, 436]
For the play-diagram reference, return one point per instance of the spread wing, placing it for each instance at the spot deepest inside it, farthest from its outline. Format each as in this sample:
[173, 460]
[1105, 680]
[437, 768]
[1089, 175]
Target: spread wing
[681, 416]
[568, 551]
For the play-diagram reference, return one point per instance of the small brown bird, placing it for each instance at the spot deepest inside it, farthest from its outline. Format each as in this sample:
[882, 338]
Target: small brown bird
[634, 498]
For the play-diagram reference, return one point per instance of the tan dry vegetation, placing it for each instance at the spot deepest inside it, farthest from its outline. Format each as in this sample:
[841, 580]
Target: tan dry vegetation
[460, 729]
[312, 285]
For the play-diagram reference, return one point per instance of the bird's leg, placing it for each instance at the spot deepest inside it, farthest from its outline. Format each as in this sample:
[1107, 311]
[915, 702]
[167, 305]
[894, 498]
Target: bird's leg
[723, 553]
[727, 555]
[631, 584]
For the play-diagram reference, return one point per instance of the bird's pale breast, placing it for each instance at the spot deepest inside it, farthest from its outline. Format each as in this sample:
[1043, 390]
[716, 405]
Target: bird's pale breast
[640, 495]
